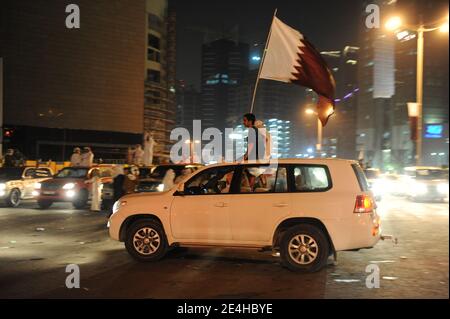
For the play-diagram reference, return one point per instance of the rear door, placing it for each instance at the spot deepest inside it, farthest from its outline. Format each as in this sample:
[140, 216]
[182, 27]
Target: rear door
[262, 200]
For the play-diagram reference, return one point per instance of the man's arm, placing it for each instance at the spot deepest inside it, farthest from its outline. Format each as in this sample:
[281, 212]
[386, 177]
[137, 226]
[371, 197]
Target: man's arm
[249, 150]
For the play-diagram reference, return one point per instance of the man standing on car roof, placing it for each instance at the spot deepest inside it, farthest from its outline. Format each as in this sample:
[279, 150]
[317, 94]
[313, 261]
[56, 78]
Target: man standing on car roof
[255, 140]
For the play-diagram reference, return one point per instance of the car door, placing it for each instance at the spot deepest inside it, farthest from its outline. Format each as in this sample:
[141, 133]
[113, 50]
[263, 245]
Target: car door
[263, 200]
[201, 213]
[32, 176]
[28, 182]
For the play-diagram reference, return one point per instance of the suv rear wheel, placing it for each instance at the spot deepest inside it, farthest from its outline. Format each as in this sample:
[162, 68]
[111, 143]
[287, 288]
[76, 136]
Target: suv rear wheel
[304, 248]
[146, 240]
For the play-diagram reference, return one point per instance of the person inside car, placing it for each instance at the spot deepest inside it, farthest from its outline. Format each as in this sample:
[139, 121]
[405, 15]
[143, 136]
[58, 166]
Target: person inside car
[131, 180]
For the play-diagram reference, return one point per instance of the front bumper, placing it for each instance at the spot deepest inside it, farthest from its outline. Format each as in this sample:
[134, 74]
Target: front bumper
[57, 195]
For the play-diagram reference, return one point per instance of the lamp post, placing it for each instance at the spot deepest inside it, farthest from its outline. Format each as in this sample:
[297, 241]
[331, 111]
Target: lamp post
[395, 24]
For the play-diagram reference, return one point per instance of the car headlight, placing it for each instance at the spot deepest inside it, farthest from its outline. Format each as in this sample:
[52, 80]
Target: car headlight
[419, 188]
[160, 187]
[443, 188]
[37, 185]
[2, 186]
[70, 194]
[69, 186]
[117, 206]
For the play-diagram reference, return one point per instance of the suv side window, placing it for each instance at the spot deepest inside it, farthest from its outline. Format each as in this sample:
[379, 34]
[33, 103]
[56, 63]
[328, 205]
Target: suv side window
[362, 181]
[30, 172]
[263, 179]
[216, 180]
[311, 178]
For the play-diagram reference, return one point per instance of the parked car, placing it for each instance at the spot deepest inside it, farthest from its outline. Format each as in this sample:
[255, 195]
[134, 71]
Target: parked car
[69, 186]
[304, 209]
[17, 183]
[153, 182]
[427, 183]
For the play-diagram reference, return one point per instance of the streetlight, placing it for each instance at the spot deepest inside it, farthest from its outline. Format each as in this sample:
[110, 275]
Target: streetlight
[394, 24]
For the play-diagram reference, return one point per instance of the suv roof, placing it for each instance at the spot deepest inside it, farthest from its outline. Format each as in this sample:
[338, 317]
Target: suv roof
[319, 161]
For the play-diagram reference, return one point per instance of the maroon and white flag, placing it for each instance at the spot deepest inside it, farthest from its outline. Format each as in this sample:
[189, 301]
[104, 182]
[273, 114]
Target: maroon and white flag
[291, 58]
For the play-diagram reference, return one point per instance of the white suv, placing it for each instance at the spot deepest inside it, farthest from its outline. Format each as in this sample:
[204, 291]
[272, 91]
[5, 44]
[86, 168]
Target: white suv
[304, 209]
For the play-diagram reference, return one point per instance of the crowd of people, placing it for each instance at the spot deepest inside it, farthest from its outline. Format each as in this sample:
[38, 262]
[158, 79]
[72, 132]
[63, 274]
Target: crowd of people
[83, 158]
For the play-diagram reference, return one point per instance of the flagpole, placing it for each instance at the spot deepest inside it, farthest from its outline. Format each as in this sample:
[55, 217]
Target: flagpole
[262, 61]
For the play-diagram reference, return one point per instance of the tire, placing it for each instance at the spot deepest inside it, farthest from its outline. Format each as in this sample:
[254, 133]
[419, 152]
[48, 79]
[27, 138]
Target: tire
[13, 200]
[304, 236]
[81, 201]
[142, 252]
[44, 204]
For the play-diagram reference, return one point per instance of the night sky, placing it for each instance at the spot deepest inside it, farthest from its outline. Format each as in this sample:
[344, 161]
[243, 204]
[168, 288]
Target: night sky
[329, 25]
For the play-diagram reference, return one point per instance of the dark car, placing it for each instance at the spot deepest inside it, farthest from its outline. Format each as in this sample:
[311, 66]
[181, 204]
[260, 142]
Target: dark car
[108, 190]
[427, 184]
[69, 186]
[154, 181]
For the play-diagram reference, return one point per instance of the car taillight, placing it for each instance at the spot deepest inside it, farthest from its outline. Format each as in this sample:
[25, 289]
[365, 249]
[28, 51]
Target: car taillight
[364, 204]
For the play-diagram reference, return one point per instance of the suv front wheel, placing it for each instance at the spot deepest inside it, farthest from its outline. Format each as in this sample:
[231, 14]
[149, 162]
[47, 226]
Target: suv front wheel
[146, 240]
[304, 248]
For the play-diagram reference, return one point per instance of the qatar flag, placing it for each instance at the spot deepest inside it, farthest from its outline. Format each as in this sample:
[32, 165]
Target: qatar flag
[290, 58]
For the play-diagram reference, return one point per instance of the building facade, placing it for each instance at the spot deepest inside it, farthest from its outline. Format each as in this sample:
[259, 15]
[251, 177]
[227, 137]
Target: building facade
[376, 81]
[224, 67]
[188, 105]
[339, 142]
[160, 83]
[435, 85]
[72, 87]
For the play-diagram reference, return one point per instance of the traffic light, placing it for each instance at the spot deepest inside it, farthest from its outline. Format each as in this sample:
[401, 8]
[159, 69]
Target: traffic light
[8, 133]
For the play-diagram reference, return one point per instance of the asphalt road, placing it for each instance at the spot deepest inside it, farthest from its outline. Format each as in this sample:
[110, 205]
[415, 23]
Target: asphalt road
[37, 245]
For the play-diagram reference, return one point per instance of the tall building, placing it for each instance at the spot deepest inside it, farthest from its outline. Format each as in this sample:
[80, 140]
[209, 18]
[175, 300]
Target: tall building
[224, 66]
[376, 74]
[72, 87]
[188, 105]
[159, 106]
[435, 86]
[340, 142]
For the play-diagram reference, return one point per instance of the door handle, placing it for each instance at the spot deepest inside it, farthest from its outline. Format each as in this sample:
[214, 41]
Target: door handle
[221, 204]
[280, 205]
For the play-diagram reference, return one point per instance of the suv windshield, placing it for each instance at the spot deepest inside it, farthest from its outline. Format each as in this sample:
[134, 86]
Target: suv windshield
[71, 172]
[11, 172]
[427, 174]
